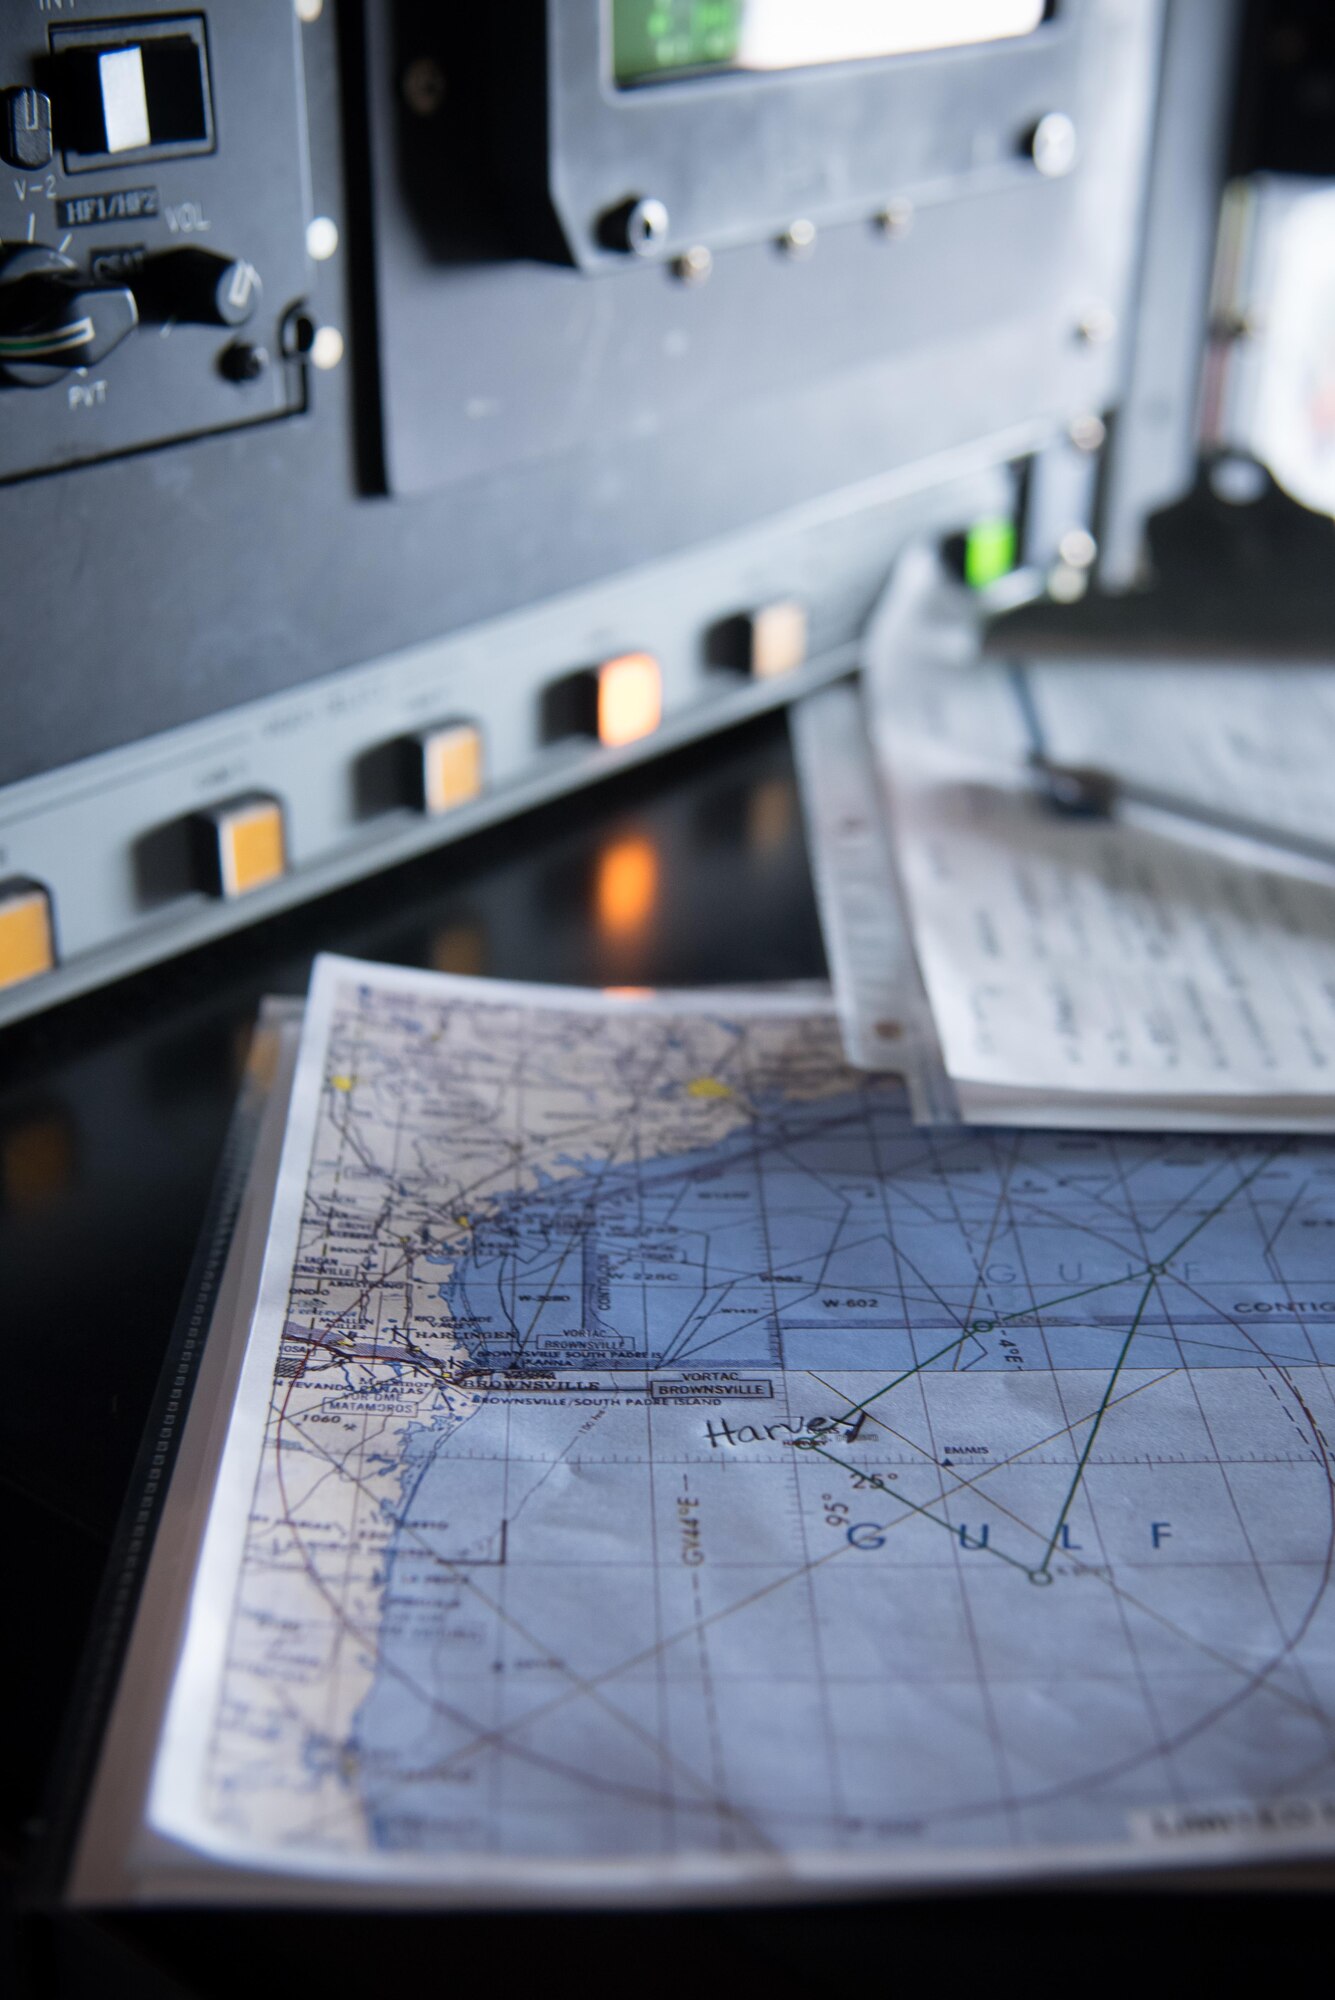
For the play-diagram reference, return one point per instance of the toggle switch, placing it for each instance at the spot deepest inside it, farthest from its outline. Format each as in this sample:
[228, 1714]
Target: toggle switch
[451, 766]
[630, 699]
[766, 642]
[241, 844]
[27, 931]
[616, 703]
[132, 91]
[25, 129]
[123, 100]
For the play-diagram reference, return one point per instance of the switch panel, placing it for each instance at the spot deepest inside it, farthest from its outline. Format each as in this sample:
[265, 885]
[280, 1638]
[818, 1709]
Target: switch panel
[129, 92]
[156, 203]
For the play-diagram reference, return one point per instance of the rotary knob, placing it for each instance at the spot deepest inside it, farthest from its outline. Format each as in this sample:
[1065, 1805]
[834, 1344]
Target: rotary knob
[198, 286]
[54, 318]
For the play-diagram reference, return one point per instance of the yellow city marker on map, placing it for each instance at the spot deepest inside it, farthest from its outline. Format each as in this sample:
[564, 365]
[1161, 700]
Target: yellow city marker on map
[707, 1086]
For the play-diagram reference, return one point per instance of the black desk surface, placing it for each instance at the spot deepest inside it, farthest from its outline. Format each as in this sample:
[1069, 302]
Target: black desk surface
[112, 1114]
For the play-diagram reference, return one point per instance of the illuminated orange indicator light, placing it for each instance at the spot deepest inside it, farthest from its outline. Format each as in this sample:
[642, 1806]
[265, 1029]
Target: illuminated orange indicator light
[630, 699]
[27, 933]
[778, 639]
[252, 847]
[627, 886]
[451, 766]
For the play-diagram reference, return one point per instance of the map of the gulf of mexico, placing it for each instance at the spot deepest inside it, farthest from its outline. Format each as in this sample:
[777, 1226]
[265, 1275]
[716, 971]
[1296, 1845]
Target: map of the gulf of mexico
[677, 1462]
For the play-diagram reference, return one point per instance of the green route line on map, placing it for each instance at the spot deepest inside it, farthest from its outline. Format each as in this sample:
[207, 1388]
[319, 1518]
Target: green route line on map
[1099, 1415]
[1042, 1573]
[977, 1327]
[1151, 1273]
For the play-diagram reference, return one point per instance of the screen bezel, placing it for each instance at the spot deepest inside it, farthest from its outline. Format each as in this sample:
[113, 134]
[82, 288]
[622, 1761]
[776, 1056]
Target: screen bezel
[754, 72]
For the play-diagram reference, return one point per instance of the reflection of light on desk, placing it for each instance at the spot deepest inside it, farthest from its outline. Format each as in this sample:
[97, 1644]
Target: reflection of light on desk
[769, 816]
[460, 948]
[255, 1054]
[36, 1161]
[626, 888]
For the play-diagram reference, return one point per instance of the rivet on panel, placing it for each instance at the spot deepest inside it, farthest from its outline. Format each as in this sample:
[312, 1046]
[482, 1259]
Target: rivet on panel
[799, 238]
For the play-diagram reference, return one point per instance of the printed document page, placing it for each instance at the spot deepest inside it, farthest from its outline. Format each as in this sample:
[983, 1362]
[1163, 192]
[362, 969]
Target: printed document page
[1098, 971]
[1257, 741]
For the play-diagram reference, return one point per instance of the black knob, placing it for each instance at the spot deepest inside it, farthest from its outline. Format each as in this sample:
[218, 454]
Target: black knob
[202, 287]
[639, 224]
[53, 318]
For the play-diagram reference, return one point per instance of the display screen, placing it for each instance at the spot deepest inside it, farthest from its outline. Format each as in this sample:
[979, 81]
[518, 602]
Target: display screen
[656, 40]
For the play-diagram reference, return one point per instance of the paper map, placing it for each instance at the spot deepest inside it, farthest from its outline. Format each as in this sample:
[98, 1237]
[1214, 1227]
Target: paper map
[666, 1467]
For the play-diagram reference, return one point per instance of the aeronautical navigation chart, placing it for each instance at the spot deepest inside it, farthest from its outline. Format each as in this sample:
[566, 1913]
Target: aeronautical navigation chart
[667, 1469]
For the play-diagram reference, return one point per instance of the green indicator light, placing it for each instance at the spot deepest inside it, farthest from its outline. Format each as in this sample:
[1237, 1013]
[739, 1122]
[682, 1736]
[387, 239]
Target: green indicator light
[659, 39]
[989, 552]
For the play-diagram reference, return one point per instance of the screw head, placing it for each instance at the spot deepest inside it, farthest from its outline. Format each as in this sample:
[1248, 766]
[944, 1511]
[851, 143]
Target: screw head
[1236, 326]
[694, 265]
[1078, 549]
[1087, 433]
[1052, 145]
[799, 238]
[1237, 480]
[896, 218]
[327, 347]
[1065, 584]
[321, 238]
[423, 86]
[1096, 325]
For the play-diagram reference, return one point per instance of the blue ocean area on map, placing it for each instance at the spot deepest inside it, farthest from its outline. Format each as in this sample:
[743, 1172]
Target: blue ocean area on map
[830, 1234]
[702, 1462]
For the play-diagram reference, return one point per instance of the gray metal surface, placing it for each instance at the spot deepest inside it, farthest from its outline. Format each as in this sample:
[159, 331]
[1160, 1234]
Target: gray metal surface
[223, 570]
[656, 411]
[735, 158]
[507, 434]
[1153, 458]
[88, 830]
